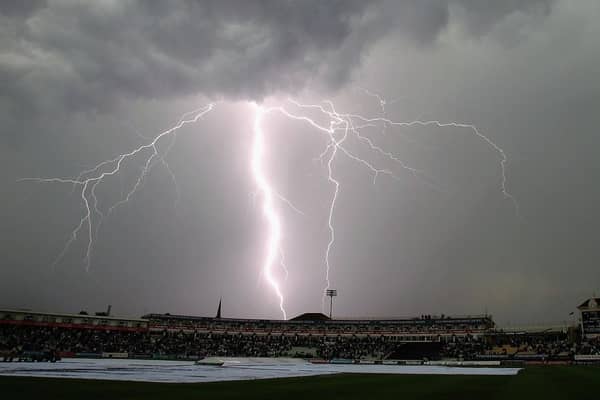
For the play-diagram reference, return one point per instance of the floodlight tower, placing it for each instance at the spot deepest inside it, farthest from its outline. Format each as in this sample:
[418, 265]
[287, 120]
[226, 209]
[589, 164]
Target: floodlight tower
[331, 293]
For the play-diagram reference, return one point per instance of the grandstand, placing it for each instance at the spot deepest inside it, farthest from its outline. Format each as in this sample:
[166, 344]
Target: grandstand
[25, 334]
[424, 328]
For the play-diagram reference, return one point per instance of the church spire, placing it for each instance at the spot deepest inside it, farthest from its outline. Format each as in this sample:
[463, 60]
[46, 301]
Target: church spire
[219, 310]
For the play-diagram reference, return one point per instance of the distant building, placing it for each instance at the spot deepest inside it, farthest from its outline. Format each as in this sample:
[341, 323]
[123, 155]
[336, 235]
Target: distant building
[590, 317]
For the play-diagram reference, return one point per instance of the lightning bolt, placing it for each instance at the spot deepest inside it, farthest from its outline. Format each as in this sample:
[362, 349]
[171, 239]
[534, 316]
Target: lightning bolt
[339, 129]
[89, 180]
[268, 195]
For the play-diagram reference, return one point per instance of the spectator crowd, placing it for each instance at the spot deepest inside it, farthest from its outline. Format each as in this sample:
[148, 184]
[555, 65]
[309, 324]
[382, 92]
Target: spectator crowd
[20, 339]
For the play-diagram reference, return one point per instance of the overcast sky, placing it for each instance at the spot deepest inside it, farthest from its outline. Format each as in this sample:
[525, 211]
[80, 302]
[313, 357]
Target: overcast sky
[83, 82]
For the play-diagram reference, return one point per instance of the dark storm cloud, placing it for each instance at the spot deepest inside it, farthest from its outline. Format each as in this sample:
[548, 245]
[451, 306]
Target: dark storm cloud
[90, 54]
[22, 8]
[479, 17]
[421, 21]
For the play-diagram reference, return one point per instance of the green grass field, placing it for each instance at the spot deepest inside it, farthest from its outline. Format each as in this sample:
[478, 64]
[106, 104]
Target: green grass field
[576, 383]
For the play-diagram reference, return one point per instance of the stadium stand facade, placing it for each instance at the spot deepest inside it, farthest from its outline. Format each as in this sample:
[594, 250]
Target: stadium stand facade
[79, 321]
[424, 328]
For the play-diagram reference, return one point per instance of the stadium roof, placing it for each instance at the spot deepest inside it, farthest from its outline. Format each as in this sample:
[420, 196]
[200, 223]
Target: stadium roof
[56, 314]
[592, 302]
[311, 317]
